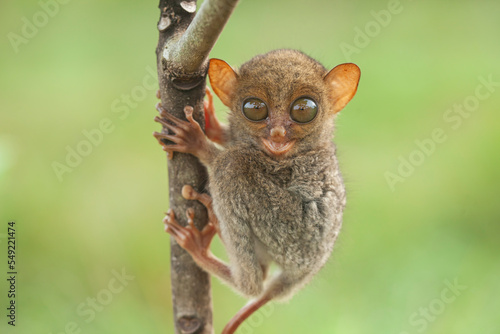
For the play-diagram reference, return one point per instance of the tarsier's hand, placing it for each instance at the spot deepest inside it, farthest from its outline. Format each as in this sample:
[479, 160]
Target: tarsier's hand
[188, 137]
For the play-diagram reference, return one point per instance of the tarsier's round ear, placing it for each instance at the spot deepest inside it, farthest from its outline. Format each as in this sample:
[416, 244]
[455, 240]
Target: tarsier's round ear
[223, 80]
[343, 81]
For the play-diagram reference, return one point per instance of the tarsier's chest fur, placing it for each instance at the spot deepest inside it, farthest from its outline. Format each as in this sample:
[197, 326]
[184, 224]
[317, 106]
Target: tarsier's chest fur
[293, 207]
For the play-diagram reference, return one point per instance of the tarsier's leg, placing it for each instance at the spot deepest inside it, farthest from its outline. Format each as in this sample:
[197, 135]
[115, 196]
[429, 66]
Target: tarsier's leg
[197, 244]
[244, 273]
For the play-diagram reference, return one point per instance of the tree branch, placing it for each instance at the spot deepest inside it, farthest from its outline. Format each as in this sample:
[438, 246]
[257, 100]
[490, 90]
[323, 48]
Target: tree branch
[192, 50]
[184, 42]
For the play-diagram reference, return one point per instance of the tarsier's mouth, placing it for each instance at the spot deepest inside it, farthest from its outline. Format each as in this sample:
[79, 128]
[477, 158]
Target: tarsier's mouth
[277, 148]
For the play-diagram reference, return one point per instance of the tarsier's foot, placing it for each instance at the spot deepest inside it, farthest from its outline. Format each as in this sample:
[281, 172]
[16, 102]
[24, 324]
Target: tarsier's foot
[187, 136]
[189, 193]
[194, 241]
[215, 131]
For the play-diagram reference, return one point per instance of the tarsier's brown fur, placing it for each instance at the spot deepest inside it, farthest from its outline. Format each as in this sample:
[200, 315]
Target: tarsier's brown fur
[282, 208]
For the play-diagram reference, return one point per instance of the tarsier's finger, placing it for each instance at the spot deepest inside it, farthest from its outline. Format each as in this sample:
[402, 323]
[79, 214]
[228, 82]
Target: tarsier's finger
[165, 114]
[188, 111]
[159, 140]
[160, 108]
[169, 126]
[167, 148]
[170, 153]
[195, 126]
[159, 136]
[173, 138]
[178, 122]
[158, 94]
[176, 148]
[170, 148]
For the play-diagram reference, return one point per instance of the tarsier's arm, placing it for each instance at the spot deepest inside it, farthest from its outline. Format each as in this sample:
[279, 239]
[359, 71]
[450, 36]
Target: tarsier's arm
[215, 131]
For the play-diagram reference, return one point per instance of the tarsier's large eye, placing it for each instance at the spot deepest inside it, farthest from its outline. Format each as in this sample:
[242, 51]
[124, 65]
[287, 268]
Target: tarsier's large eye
[254, 109]
[303, 110]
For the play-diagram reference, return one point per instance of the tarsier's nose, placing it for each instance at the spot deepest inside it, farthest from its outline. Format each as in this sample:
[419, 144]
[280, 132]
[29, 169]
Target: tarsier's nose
[278, 131]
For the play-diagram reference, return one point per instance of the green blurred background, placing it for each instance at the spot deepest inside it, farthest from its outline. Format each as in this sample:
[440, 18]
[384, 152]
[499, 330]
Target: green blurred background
[403, 242]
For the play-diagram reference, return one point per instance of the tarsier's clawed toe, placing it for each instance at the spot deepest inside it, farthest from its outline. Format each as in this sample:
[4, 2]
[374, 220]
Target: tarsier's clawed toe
[176, 135]
[159, 137]
[161, 110]
[190, 217]
[170, 222]
[182, 235]
[188, 192]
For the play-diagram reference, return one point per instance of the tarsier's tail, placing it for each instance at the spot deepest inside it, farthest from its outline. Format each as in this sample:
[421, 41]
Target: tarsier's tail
[244, 313]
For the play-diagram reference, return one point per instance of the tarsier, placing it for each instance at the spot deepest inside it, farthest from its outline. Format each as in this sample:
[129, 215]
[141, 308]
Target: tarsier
[276, 191]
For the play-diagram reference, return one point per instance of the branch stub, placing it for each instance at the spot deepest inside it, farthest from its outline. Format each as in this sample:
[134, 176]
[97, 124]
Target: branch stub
[189, 6]
[164, 23]
[189, 324]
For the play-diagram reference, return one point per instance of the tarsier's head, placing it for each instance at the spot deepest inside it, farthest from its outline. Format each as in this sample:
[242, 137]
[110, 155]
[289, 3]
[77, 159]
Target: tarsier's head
[283, 102]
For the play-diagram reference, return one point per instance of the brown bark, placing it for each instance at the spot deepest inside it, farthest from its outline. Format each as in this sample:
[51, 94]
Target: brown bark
[185, 40]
